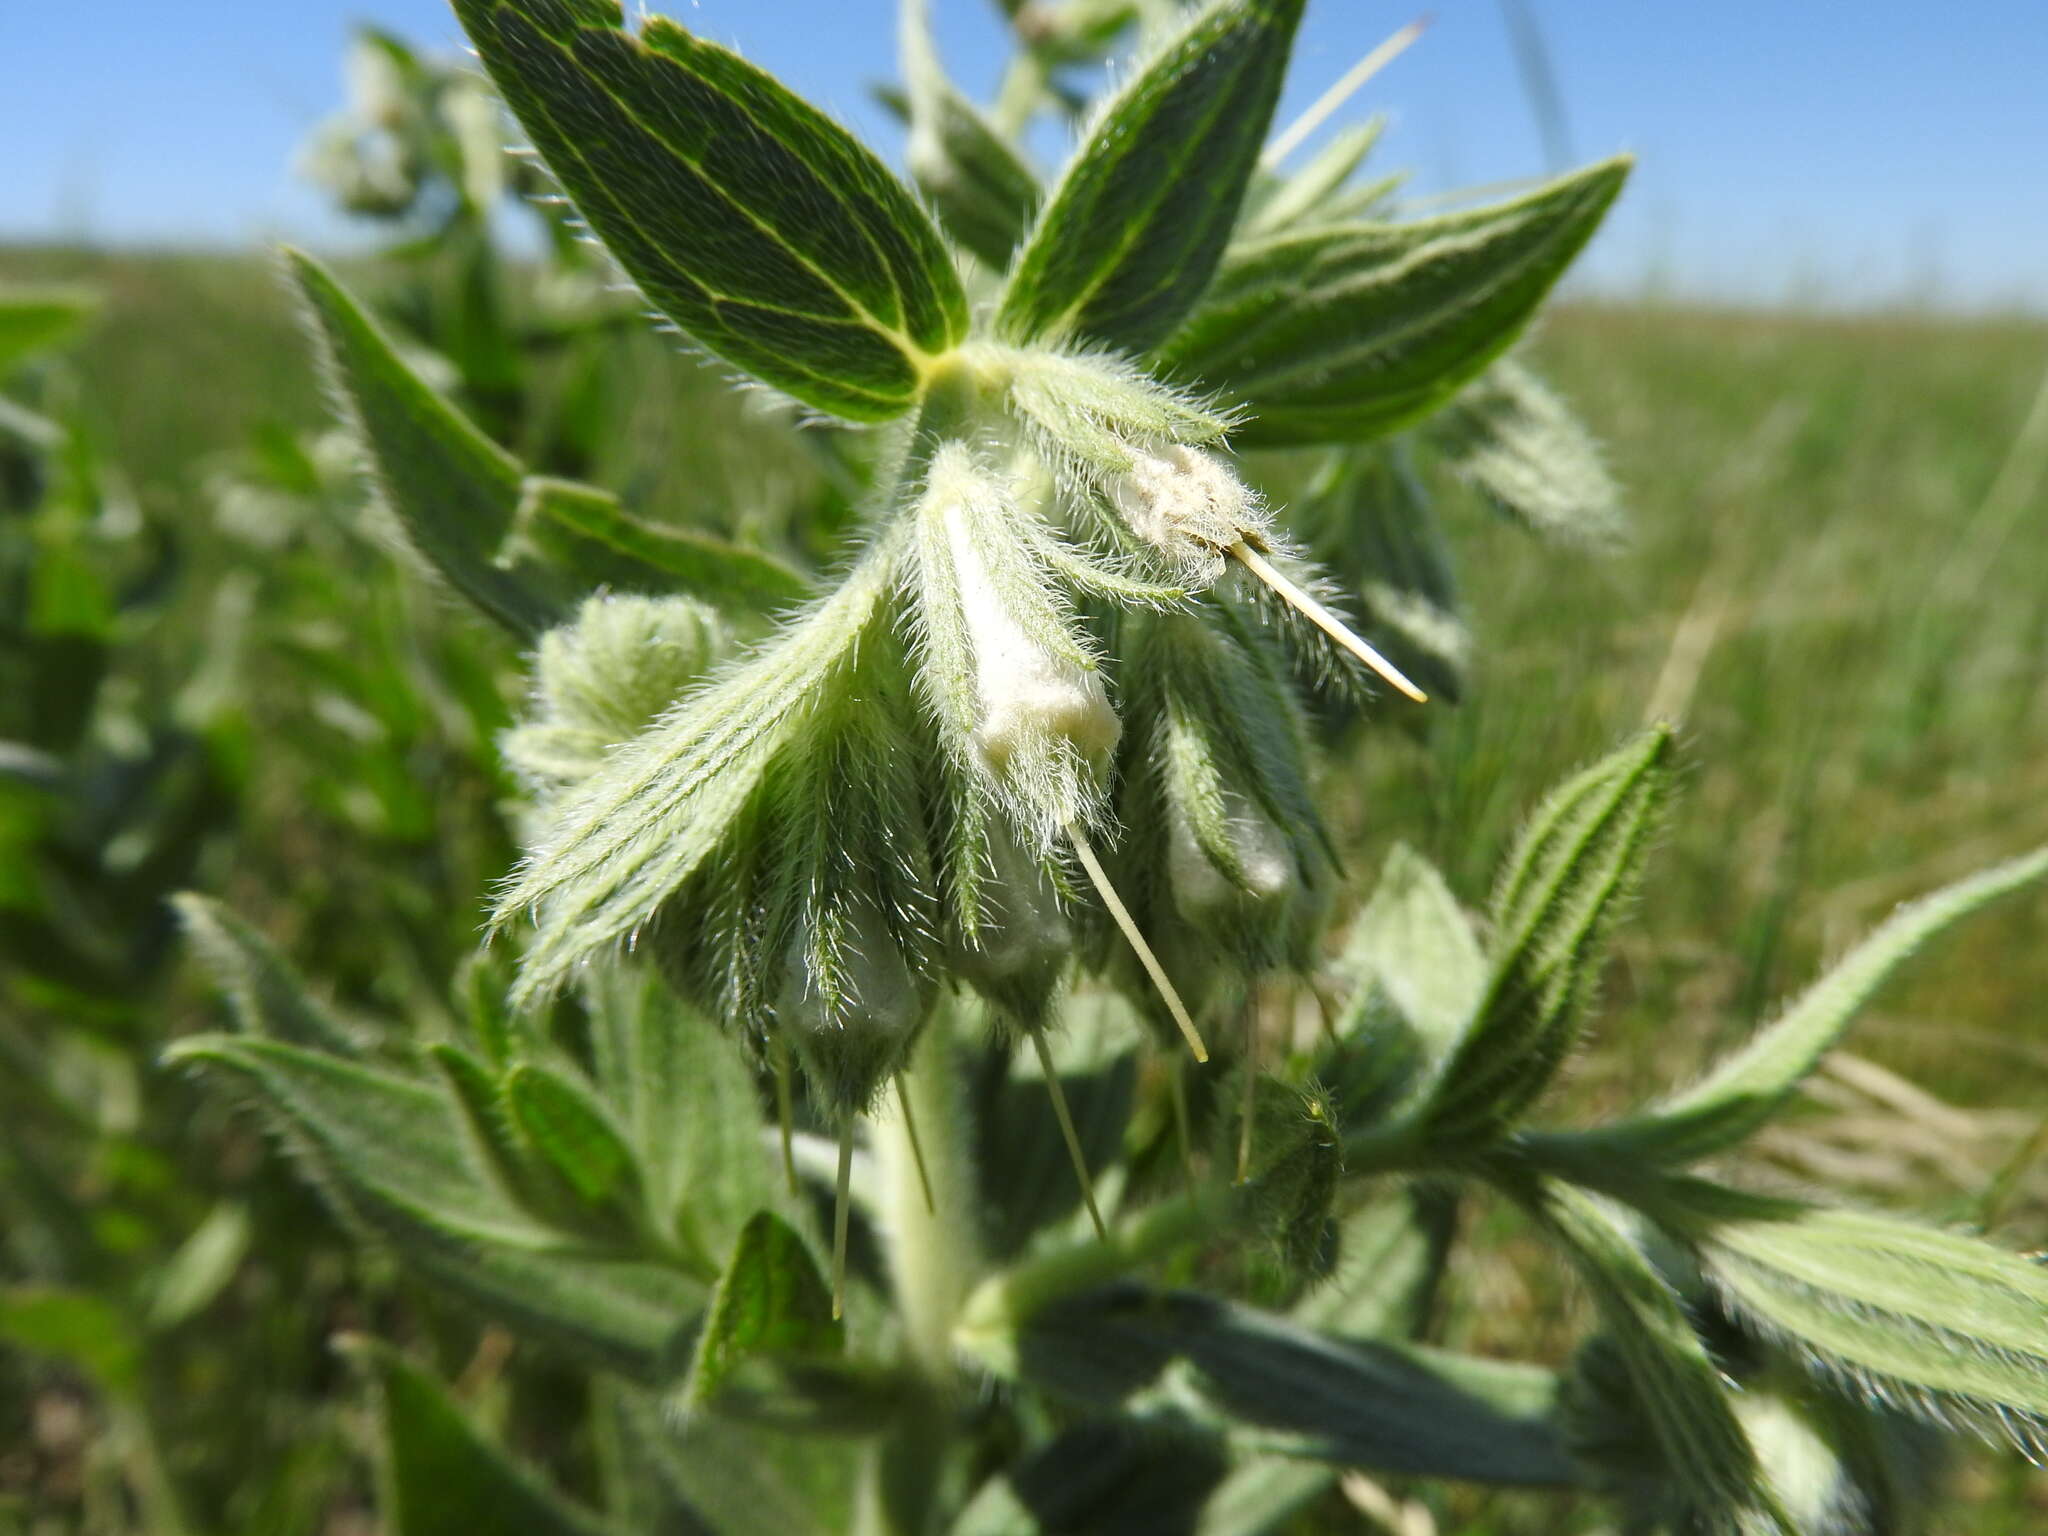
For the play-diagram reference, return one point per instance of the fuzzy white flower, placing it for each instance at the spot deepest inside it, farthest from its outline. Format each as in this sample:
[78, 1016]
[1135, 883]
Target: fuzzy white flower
[1187, 503]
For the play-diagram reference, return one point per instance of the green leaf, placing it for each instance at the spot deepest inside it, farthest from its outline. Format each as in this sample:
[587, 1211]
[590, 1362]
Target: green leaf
[1574, 868]
[771, 1301]
[1748, 1087]
[570, 1132]
[1413, 942]
[389, 1153]
[77, 1327]
[685, 1097]
[1275, 1388]
[584, 539]
[267, 995]
[1381, 534]
[448, 488]
[194, 1276]
[1509, 436]
[1151, 1472]
[1390, 1254]
[1680, 1389]
[712, 1475]
[1353, 331]
[1945, 1325]
[1134, 230]
[981, 189]
[1301, 198]
[35, 318]
[442, 1475]
[753, 221]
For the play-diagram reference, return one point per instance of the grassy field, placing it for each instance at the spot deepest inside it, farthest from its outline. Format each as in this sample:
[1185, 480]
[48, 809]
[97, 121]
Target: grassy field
[1836, 579]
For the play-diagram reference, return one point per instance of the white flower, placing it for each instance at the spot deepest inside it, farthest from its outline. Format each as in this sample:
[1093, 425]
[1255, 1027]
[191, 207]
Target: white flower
[1187, 503]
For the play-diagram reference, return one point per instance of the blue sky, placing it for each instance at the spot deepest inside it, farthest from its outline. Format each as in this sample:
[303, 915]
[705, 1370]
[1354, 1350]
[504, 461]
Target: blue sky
[1819, 153]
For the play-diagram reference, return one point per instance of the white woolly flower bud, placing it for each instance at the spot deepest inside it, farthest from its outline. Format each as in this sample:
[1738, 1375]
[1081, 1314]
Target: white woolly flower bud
[1208, 895]
[1187, 503]
[1009, 674]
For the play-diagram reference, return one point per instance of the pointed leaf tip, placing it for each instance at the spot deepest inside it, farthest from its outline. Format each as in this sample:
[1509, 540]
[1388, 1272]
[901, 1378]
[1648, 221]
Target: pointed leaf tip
[1134, 230]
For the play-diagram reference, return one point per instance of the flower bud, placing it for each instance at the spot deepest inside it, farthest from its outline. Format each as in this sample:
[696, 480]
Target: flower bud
[1007, 673]
[1188, 504]
[604, 678]
[1018, 941]
[848, 1004]
[1260, 875]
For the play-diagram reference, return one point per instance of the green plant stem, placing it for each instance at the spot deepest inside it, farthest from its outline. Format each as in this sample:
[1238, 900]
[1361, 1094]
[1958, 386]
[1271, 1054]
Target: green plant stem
[991, 1316]
[933, 1243]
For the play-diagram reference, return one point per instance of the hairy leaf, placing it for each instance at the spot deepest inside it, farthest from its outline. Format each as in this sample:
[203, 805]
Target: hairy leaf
[1945, 1325]
[981, 189]
[714, 1476]
[1349, 332]
[34, 319]
[1511, 437]
[583, 539]
[1746, 1089]
[661, 806]
[756, 223]
[1575, 866]
[448, 489]
[770, 1301]
[571, 1132]
[1134, 230]
[1677, 1384]
[388, 1152]
[1415, 942]
[442, 1475]
[267, 995]
[683, 1094]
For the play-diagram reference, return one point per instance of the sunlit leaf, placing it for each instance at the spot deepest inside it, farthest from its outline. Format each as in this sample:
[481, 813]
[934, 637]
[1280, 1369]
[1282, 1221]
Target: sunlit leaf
[756, 223]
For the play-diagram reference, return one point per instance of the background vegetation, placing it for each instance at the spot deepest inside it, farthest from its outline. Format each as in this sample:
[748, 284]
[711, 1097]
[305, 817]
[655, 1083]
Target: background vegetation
[1832, 578]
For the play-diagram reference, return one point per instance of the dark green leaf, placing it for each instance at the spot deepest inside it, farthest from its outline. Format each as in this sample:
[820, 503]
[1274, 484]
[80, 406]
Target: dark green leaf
[757, 224]
[1145, 1473]
[983, 192]
[34, 319]
[583, 539]
[569, 1131]
[1135, 229]
[267, 995]
[771, 1301]
[1574, 868]
[388, 1151]
[443, 1476]
[1349, 332]
[1275, 1388]
[449, 489]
